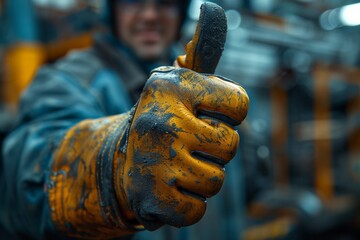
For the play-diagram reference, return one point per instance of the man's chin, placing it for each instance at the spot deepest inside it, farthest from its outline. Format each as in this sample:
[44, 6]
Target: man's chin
[153, 53]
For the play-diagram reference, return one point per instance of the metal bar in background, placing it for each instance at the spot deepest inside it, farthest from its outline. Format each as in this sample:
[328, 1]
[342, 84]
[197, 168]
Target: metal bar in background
[322, 134]
[279, 136]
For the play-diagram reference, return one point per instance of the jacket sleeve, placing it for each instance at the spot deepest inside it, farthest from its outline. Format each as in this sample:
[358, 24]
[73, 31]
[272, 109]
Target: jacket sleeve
[53, 103]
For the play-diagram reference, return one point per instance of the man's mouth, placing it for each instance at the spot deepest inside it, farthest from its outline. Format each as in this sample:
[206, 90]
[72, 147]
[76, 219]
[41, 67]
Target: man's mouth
[149, 34]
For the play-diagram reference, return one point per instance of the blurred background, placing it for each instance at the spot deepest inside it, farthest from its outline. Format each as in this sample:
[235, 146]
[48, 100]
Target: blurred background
[299, 61]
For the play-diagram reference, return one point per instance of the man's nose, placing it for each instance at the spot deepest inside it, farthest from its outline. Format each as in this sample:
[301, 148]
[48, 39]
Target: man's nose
[150, 10]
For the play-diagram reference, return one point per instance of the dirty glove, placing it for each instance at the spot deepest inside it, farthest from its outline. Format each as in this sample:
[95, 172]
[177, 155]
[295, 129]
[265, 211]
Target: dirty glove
[156, 165]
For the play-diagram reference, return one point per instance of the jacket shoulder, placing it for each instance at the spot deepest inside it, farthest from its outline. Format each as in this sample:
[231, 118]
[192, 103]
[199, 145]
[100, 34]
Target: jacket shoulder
[82, 65]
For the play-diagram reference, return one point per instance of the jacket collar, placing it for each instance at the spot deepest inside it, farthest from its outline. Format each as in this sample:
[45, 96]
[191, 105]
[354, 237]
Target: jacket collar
[133, 76]
[133, 71]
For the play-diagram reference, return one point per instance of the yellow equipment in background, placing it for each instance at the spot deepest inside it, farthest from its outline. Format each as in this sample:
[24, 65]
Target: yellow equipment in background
[22, 61]
[34, 35]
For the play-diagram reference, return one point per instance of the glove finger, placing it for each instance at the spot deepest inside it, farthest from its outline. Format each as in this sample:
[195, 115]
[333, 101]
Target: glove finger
[214, 140]
[213, 97]
[209, 96]
[210, 137]
[164, 203]
[197, 178]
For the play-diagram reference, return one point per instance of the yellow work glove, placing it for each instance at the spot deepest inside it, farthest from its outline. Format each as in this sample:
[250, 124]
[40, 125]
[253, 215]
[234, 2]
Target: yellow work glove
[153, 166]
[180, 138]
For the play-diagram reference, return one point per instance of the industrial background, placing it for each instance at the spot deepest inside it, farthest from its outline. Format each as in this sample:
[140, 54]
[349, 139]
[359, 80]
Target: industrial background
[299, 61]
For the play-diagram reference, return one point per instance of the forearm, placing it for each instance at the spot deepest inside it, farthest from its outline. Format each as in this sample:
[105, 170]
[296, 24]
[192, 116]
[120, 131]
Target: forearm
[24, 207]
[82, 197]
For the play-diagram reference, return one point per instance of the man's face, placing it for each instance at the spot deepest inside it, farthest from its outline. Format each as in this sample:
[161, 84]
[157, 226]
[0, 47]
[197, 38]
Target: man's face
[148, 27]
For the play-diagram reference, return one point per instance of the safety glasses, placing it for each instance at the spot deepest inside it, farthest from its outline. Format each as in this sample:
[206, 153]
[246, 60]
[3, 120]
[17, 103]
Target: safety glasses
[160, 2]
[166, 7]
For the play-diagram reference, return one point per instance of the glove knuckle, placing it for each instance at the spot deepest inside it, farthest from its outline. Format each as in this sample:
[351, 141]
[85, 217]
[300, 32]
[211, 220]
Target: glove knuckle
[216, 183]
[242, 104]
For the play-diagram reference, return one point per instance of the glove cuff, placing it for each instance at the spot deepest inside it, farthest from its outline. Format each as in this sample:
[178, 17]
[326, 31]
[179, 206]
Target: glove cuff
[81, 192]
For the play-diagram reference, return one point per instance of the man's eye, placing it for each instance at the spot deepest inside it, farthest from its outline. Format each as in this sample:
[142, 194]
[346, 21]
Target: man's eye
[132, 1]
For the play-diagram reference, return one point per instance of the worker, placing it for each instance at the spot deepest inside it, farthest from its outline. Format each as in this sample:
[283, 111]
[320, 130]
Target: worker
[113, 140]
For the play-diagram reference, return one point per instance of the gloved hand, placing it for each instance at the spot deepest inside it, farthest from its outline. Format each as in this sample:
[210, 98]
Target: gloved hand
[156, 165]
[181, 136]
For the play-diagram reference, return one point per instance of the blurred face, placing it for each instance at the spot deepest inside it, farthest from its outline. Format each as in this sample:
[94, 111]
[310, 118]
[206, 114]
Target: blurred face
[148, 27]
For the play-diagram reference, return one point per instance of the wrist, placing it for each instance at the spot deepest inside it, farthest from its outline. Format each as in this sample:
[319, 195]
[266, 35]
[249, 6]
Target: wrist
[82, 191]
[118, 182]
